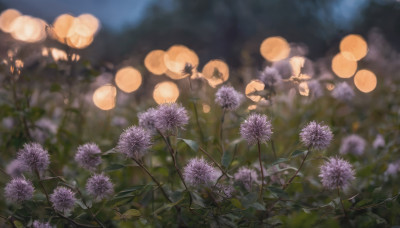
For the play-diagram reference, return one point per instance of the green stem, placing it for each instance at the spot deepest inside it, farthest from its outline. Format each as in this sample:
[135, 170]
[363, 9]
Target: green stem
[221, 128]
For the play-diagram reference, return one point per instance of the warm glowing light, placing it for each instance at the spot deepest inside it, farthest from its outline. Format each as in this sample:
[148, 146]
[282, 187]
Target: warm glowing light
[216, 72]
[77, 41]
[104, 97]
[154, 62]
[297, 63]
[303, 89]
[206, 108]
[89, 24]
[177, 56]
[365, 81]
[128, 79]
[253, 87]
[330, 86]
[275, 48]
[252, 107]
[343, 67]
[28, 29]
[165, 92]
[19, 63]
[353, 47]
[6, 19]
[62, 25]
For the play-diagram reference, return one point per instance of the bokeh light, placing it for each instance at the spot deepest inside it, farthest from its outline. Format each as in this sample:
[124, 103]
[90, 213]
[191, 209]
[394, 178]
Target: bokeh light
[128, 79]
[154, 62]
[216, 72]
[275, 48]
[61, 26]
[353, 47]
[165, 92]
[343, 67]
[252, 87]
[28, 29]
[104, 97]
[176, 57]
[6, 19]
[303, 89]
[206, 108]
[252, 107]
[365, 81]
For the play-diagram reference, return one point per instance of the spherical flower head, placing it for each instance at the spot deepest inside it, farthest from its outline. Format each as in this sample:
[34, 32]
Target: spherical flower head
[134, 142]
[34, 157]
[353, 144]
[38, 224]
[199, 173]
[88, 156]
[99, 186]
[247, 177]
[228, 98]
[316, 136]
[270, 76]
[170, 117]
[18, 190]
[256, 128]
[16, 168]
[63, 199]
[378, 142]
[336, 173]
[315, 88]
[343, 92]
[147, 119]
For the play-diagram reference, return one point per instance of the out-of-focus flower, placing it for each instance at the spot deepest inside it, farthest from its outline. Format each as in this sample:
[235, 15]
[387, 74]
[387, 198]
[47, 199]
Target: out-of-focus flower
[392, 169]
[44, 128]
[228, 98]
[336, 173]
[343, 92]
[316, 136]
[199, 173]
[256, 128]
[378, 142]
[170, 117]
[353, 144]
[247, 177]
[18, 190]
[315, 88]
[119, 121]
[88, 156]
[34, 157]
[134, 142]
[16, 168]
[147, 119]
[99, 186]
[270, 76]
[38, 224]
[63, 199]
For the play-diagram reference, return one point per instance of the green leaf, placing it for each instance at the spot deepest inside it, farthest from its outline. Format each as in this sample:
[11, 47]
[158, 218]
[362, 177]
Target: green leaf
[192, 144]
[113, 167]
[280, 160]
[297, 153]
[167, 206]
[235, 202]
[55, 87]
[130, 214]
[111, 151]
[258, 206]
[226, 158]
[277, 191]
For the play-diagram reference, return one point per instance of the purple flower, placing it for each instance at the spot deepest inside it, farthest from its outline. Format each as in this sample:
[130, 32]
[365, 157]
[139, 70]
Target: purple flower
[170, 117]
[18, 190]
[315, 88]
[270, 76]
[134, 142]
[353, 144]
[34, 157]
[147, 119]
[99, 186]
[38, 224]
[316, 136]
[88, 156]
[343, 92]
[336, 173]
[228, 98]
[16, 168]
[198, 173]
[63, 199]
[393, 168]
[256, 128]
[247, 177]
[378, 142]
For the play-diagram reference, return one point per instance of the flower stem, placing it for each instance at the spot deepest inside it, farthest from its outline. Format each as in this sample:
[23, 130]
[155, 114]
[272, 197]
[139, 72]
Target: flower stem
[215, 162]
[261, 168]
[89, 209]
[221, 131]
[297, 171]
[341, 202]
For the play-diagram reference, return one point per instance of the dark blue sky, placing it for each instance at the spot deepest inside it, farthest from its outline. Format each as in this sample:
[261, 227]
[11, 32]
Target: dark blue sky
[112, 13]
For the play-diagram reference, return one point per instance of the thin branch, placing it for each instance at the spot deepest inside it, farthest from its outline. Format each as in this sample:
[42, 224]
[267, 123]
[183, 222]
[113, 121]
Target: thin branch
[261, 168]
[215, 162]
